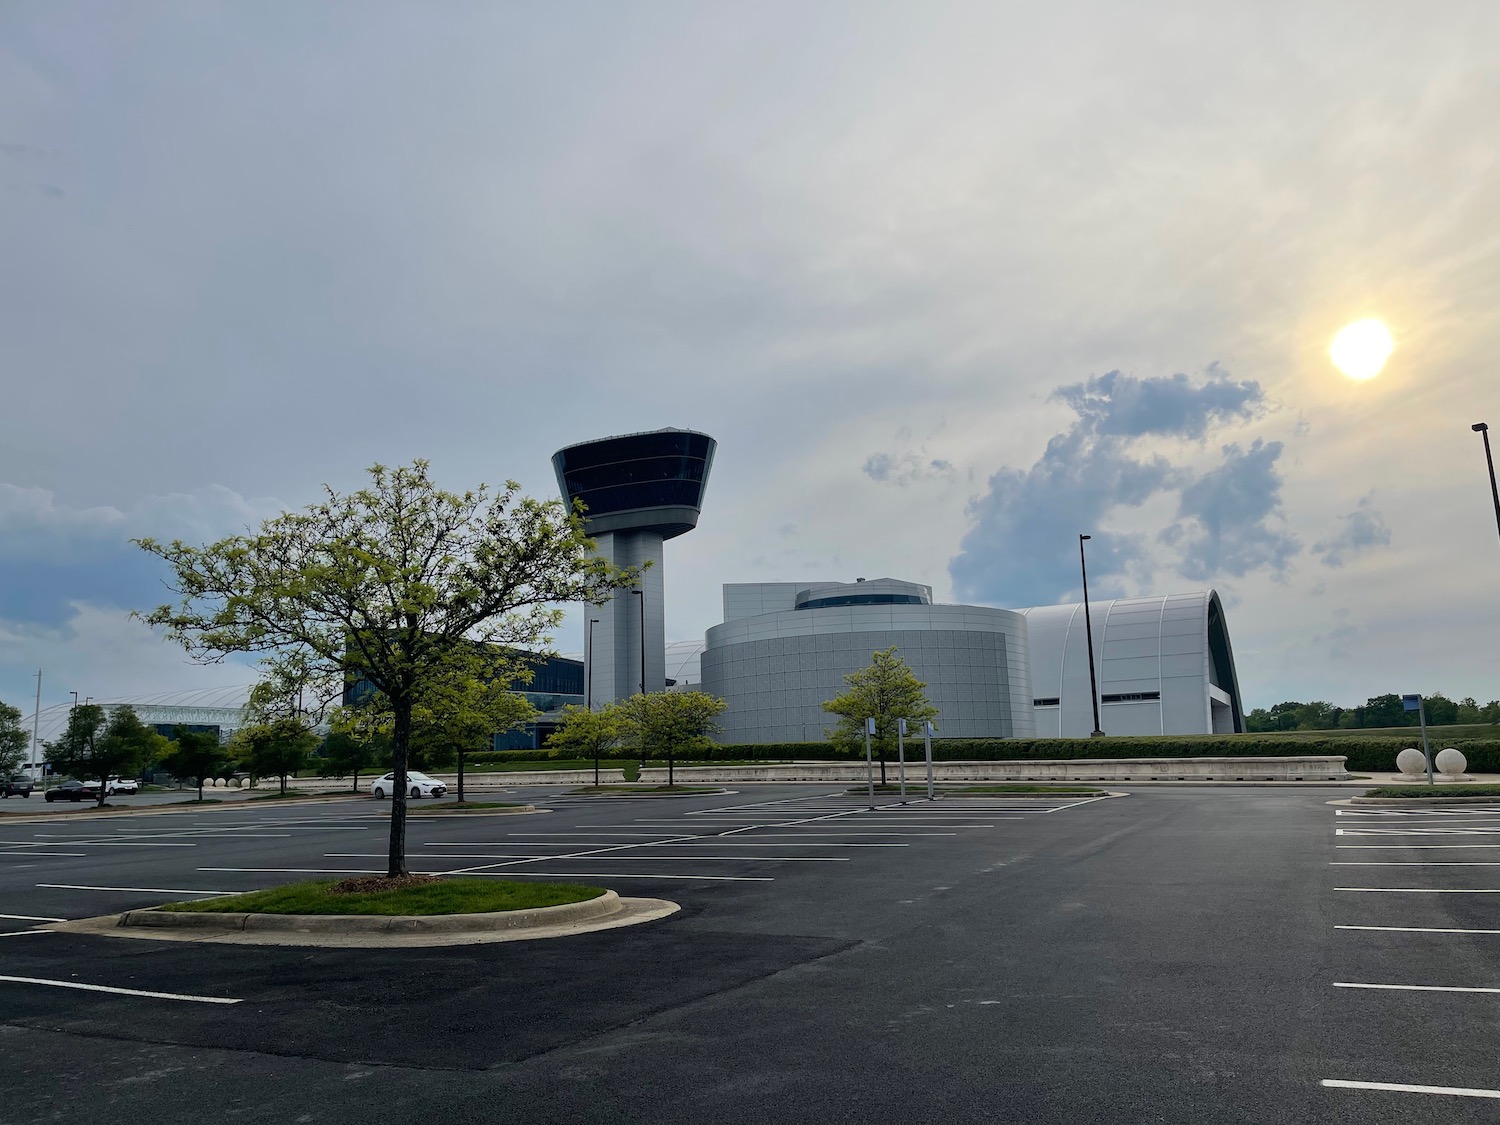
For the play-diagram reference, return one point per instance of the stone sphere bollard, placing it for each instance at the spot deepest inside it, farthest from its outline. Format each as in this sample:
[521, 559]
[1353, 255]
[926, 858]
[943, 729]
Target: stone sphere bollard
[1450, 762]
[1411, 761]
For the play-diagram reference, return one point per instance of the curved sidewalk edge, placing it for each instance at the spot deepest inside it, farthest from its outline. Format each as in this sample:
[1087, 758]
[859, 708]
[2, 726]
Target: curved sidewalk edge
[344, 931]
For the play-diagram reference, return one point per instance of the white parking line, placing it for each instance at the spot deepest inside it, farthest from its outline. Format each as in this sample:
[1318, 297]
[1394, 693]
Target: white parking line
[1416, 847]
[25, 933]
[49, 855]
[148, 890]
[623, 858]
[1474, 830]
[1421, 890]
[1413, 863]
[30, 918]
[120, 991]
[1414, 987]
[1404, 1088]
[1416, 929]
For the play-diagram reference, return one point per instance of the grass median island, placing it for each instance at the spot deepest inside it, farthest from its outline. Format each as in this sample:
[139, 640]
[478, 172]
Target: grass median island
[412, 895]
[627, 790]
[919, 788]
[1445, 789]
[462, 805]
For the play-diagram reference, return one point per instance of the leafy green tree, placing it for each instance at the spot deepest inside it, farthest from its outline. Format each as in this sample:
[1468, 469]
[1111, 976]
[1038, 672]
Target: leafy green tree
[278, 748]
[1490, 713]
[887, 691]
[587, 734]
[386, 582]
[100, 745]
[659, 724]
[1441, 711]
[460, 710]
[352, 747]
[193, 756]
[14, 738]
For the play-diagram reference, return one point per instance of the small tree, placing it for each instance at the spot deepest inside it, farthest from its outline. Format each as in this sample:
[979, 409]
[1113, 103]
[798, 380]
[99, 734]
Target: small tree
[386, 582]
[661, 723]
[194, 755]
[460, 710]
[353, 746]
[886, 691]
[276, 749]
[13, 740]
[96, 745]
[587, 734]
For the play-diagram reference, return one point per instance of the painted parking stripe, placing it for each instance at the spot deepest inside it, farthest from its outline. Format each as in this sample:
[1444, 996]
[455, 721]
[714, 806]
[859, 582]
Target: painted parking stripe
[1415, 987]
[1405, 1088]
[1421, 890]
[27, 933]
[1416, 929]
[50, 855]
[30, 918]
[120, 991]
[623, 858]
[1417, 847]
[1466, 830]
[148, 890]
[1414, 863]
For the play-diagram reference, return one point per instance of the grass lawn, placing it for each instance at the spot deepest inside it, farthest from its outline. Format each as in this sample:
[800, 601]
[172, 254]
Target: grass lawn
[431, 896]
[464, 805]
[588, 764]
[1010, 790]
[1444, 789]
[1454, 732]
[626, 790]
[297, 795]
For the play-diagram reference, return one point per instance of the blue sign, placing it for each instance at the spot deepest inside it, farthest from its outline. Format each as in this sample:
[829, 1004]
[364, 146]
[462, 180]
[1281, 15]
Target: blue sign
[1411, 702]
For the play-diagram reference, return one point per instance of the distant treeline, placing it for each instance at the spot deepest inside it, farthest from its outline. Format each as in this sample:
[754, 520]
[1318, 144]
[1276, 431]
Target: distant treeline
[1378, 711]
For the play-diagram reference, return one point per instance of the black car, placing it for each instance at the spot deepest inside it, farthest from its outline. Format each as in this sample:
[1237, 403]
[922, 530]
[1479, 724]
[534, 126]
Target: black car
[74, 791]
[18, 785]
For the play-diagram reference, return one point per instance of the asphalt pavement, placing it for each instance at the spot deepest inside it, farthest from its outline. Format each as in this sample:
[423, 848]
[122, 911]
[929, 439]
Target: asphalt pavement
[1185, 955]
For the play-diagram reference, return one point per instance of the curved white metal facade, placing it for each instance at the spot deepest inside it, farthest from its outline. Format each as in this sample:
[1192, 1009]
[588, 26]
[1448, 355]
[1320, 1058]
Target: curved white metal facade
[1164, 664]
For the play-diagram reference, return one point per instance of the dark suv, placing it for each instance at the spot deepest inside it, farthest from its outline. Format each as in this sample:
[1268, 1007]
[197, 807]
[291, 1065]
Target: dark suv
[17, 785]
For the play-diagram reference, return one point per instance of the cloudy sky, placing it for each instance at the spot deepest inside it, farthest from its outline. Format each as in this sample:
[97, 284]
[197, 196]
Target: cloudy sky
[950, 283]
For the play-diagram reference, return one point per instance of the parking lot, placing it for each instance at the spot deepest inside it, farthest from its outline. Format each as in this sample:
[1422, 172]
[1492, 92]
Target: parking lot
[1180, 954]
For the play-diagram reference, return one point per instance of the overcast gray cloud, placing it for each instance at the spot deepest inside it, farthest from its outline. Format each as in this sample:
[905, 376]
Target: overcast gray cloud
[1363, 530]
[257, 247]
[1021, 548]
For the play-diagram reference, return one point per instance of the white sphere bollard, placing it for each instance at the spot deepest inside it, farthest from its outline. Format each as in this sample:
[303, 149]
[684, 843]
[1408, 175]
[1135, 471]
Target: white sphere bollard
[1411, 761]
[1450, 762]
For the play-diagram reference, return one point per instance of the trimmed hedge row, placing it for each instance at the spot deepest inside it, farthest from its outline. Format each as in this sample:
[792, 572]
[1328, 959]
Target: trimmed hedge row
[1363, 754]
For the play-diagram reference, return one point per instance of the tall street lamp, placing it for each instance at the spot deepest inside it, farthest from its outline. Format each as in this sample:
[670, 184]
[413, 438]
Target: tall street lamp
[588, 663]
[1088, 626]
[1483, 428]
[640, 594]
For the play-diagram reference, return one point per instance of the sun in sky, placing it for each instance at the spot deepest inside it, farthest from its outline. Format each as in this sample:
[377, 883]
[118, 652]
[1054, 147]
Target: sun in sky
[1361, 349]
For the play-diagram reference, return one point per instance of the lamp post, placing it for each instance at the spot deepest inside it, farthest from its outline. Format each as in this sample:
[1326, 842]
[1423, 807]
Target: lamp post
[1088, 626]
[588, 663]
[640, 594]
[1483, 428]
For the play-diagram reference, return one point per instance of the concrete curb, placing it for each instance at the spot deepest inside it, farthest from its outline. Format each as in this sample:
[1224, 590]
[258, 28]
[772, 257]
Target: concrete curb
[155, 918]
[386, 932]
[651, 796]
[438, 810]
[1424, 802]
[236, 803]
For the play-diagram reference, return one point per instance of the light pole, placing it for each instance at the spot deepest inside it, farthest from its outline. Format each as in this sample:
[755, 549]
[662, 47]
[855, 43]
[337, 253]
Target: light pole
[1483, 428]
[1088, 626]
[640, 594]
[588, 663]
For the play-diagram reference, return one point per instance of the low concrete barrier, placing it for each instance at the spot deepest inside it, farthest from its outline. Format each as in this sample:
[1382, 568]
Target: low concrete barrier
[1079, 769]
[1311, 768]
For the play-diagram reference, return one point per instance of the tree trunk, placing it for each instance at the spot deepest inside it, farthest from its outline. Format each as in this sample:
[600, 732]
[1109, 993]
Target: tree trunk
[460, 777]
[882, 765]
[103, 789]
[400, 744]
[283, 785]
[356, 780]
[200, 790]
[669, 768]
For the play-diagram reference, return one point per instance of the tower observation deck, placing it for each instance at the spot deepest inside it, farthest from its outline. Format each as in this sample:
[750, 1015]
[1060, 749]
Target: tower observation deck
[640, 490]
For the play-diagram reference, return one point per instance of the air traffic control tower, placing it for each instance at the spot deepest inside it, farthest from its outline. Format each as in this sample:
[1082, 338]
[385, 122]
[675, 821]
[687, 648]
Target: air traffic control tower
[640, 490]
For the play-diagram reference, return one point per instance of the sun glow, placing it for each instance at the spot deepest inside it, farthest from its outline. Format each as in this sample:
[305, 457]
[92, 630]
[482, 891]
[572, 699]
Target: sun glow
[1361, 349]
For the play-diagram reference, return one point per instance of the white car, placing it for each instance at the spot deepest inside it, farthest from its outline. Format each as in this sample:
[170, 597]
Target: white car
[123, 785]
[417, 785]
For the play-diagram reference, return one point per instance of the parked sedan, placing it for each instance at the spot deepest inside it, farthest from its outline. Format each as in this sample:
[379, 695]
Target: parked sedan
[123, 785]
[74, 791]
[417, 784]
[18, 786]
